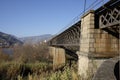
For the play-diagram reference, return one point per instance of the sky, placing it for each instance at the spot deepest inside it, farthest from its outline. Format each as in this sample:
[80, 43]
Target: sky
[23, 18]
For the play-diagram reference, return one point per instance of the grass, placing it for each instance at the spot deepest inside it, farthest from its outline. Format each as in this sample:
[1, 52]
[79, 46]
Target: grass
[67, 74]
[33, 63]
[11, 70]
[35, 71]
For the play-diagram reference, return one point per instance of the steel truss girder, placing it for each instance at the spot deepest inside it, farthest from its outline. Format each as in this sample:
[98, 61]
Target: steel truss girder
[110, 17]
[68, 38]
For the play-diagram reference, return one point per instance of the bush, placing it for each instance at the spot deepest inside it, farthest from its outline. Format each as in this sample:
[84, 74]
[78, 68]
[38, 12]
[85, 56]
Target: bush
[67, 74]
[4, 57]
[31, 53]
[32, 63]
[11, 70]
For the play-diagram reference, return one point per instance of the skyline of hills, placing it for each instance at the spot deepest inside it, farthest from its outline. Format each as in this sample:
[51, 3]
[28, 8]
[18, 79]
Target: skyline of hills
[7, 40]
[35, 39]
[10, 39]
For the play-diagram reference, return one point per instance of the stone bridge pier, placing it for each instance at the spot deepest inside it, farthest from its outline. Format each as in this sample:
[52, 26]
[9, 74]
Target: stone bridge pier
[96, 46]
[58, 55]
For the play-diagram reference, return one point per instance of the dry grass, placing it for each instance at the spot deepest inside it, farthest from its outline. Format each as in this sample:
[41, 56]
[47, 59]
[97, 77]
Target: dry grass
[30, 53]
[4, 57]
[67, 74]
[32, 63]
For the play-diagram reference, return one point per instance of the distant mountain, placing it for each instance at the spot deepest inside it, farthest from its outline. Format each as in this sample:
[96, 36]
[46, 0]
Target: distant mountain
[8, 40]
[36, 39]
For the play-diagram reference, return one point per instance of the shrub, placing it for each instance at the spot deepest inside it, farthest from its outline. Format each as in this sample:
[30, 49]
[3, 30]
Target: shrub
[31, 53]
[13, 70]
[4, 57]
[32, 63]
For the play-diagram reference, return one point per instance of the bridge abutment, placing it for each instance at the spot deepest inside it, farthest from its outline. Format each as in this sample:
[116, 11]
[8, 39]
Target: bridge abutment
[58, 55]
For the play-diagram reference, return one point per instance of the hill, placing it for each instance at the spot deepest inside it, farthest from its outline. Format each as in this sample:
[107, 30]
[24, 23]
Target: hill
[7, 40]
[36, 39]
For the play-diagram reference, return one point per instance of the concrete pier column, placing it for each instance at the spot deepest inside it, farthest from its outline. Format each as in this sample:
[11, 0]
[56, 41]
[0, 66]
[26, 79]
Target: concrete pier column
[58, 57]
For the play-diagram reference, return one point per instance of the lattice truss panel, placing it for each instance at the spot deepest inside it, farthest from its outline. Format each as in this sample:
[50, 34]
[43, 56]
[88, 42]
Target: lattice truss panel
[110, 17]
[110, 20]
